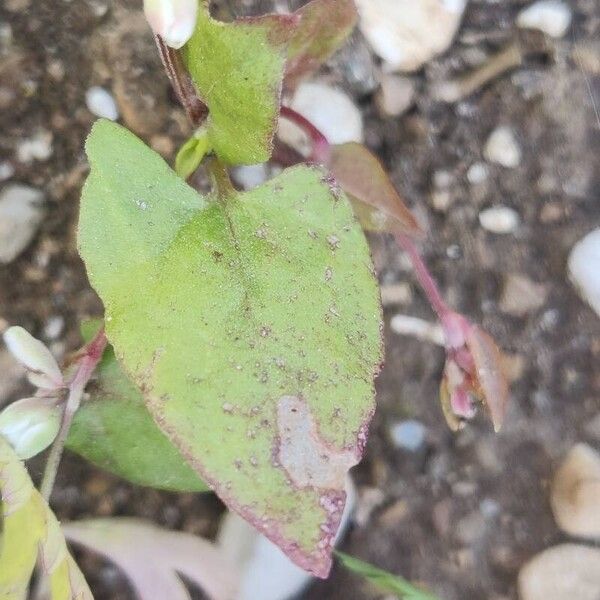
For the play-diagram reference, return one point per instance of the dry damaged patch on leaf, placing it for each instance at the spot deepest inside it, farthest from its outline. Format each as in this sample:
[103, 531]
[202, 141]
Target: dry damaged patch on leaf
[307, 459]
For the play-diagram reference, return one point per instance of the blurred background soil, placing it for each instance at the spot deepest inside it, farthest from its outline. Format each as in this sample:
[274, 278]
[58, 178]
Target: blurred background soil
[460, 512]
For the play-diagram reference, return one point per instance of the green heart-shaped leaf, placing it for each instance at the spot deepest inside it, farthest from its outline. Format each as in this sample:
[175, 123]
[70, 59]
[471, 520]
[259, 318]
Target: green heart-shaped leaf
[250, 321]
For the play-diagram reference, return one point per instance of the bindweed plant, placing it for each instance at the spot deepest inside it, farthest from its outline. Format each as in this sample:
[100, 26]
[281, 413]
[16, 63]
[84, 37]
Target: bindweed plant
[242, 330]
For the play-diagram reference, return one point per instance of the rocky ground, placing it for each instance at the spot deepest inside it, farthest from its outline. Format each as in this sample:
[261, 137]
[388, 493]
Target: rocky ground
[503, 179]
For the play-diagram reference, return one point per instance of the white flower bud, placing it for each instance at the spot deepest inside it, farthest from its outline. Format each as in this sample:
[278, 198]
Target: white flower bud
[35, 356]
[173, 20]
[30, 425]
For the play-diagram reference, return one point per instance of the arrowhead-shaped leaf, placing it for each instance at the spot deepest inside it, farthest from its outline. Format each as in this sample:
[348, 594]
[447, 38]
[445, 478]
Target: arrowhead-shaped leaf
[252, 324]
[29, 527]
[237, 69]
[114, 430]
[324, 26]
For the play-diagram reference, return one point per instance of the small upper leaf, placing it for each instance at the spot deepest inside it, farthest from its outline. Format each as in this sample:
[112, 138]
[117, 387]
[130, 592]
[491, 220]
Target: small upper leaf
[152, 558]
[190, 155]
[237, 69]
[252, 325]
[324, 26]
[114, 430]
[28, 526]
[361, 175]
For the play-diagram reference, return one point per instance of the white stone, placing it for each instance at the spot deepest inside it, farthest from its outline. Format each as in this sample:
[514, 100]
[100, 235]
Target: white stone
[584, 268]
[499, 219]
[408, 435]
[6, 170]
[477, 173]
[565, 572]
[502, 148]
[101, 103]
[575, 494]
[408, 33]
[395, 95]
[330, 109]
[37, 147]
[251, 176]
[21, 213]
[553, 17]
[266, 572]
[419, 328]
[396, 293]
[54, 327]
[521, 295]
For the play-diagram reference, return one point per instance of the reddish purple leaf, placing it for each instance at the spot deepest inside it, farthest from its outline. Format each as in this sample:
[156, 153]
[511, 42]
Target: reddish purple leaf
[489, 375]
[361, 175]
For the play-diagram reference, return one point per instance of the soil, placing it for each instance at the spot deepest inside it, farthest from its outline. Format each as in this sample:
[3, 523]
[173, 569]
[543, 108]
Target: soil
[467, 510]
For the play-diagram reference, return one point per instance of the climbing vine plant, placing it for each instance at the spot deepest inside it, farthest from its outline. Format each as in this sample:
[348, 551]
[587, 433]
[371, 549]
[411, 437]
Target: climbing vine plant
[242, 329]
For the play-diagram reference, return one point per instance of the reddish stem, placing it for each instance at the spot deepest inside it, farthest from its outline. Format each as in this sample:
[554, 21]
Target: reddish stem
[424, 277]
[320, 153]
[90, 357]
[321, 147]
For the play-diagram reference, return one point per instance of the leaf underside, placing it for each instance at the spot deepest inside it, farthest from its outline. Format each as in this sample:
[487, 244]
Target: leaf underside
[114, 430]
[237, 69]
[152, 558]
[28, 529]
[251, 323]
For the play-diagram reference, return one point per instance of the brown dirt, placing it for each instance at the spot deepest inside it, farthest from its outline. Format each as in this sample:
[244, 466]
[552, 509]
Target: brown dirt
[465, 512]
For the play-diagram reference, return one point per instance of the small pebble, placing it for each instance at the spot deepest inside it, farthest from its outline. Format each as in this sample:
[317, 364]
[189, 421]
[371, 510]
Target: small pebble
[575, 494]
[584, 268]
[477, 173]
[21, 212]
[38, 147]
[565, 572]
[520, 295]
[499, 219]
[406, 34]
[553, 17]
[396, 293]
[408, 435]
[251, 176]
[396, 95]
[6, 170]
[330, 109]
[502, 148]
[101, 103]
[54, 327]
[419, 328]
